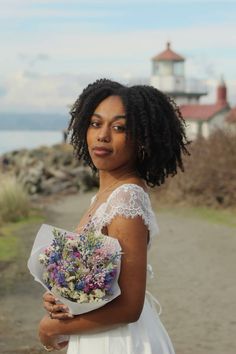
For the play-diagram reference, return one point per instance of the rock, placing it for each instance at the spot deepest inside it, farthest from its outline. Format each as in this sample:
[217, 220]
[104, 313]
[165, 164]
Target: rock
[88, 181]
[48, 170]
[53, 186]
[52, 172]
[31, 177]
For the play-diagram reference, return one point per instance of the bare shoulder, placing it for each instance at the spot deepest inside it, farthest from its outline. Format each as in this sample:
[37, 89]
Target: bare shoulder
[138, 182]
[127, 216]
[128, 229]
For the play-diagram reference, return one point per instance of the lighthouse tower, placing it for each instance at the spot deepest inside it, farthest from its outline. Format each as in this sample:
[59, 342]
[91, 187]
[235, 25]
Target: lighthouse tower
[168, 71]
[168, 75]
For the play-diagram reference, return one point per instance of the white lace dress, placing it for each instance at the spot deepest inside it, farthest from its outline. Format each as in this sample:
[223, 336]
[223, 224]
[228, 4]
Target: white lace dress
[147, 335]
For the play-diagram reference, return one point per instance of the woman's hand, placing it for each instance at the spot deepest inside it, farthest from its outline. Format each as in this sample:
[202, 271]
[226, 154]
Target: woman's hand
[55, 310]
[49, 341]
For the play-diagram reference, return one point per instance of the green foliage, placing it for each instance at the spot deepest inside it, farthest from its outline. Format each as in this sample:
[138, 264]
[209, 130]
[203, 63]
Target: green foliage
[8, 248]
[14, 201]
[213, 216]
[10, 242]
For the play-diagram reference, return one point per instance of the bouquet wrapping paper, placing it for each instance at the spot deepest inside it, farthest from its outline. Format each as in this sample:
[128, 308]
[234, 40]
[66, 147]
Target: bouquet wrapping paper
[43, 240]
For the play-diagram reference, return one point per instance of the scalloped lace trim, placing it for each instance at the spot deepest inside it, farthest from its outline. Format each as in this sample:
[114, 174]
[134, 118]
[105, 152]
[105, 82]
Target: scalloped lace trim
[130, 201]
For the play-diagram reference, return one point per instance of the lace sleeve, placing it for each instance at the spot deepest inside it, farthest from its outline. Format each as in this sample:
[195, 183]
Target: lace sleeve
[130, 201]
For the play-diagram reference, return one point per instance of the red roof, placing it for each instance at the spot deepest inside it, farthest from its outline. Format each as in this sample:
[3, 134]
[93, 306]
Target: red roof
[168, 55]
[201, 112]
[231, 116]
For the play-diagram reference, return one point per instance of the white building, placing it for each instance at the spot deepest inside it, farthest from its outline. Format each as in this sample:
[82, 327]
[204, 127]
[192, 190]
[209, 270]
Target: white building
[202, 119]
[168, 76]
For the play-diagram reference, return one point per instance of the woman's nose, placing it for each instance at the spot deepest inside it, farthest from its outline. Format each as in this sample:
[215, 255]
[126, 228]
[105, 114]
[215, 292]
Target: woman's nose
[104, 134]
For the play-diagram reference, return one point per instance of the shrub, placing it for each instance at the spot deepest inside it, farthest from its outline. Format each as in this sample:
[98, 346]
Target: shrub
[14, 201]
[210, 173]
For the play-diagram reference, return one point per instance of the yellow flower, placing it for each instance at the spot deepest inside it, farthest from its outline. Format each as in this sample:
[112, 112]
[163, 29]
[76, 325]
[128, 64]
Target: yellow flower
[83, 297]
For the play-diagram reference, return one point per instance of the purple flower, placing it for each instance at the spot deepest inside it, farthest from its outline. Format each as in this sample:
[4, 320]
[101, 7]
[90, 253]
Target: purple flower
[82, 266]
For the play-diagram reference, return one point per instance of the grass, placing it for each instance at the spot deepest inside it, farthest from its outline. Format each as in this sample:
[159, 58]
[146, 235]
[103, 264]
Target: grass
[226, 217]
[214, 216]
[16, 210]
[9, 241]
[8, 248]
[14, 201]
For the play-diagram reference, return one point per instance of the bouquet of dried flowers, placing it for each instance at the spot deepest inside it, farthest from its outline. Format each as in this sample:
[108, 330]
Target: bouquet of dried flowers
[81, 270]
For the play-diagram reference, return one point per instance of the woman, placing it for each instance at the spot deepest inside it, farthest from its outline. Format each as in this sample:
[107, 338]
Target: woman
[134, 137]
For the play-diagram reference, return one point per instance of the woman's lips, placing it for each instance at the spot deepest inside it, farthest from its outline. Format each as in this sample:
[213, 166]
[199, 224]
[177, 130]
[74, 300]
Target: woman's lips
[101, 152]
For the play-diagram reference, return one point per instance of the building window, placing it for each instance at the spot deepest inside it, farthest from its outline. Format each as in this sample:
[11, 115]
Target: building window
[165, 68]
[178, 69]
[155, 68]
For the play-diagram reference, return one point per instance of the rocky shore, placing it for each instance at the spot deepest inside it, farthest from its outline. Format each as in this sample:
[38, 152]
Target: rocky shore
[48, 170]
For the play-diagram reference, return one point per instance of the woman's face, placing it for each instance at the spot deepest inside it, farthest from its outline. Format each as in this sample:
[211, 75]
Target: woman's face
[106, 137]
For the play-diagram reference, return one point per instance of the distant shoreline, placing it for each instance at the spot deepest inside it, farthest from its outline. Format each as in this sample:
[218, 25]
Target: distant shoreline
[11, 140]
[33, 121]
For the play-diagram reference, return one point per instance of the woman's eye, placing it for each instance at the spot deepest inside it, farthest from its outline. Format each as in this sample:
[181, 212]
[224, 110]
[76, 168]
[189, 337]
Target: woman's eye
[94, 124]
[119, 128]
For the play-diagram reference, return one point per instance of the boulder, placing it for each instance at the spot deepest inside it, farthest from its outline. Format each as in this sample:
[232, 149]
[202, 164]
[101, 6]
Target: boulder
[48, 170]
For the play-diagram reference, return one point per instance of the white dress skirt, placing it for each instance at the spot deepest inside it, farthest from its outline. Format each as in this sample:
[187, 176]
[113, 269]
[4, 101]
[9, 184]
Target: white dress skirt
[147, 335]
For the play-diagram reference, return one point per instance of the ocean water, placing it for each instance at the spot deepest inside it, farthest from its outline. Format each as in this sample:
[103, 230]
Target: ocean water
[14, 140]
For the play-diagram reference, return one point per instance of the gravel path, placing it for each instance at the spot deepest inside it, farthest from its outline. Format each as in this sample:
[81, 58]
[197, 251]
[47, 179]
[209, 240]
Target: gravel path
[194, 263]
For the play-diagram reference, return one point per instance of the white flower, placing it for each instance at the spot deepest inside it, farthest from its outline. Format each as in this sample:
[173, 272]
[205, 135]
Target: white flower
[98, 293]
[62, 291]
[83, 297]
[42, 258]
[71, 243]
[76, 295]
[71, 286]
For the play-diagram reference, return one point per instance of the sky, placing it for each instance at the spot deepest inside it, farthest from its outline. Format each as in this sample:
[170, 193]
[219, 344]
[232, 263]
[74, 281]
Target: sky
[50, 50]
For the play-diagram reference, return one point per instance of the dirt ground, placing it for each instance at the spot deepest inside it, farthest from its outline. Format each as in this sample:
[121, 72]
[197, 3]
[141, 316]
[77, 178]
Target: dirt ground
[194, 263]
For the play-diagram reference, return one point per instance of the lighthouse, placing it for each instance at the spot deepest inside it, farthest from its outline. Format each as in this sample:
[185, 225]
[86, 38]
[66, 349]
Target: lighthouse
[168, 75]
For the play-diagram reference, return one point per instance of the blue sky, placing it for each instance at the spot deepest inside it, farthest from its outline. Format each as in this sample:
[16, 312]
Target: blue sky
[51, 49]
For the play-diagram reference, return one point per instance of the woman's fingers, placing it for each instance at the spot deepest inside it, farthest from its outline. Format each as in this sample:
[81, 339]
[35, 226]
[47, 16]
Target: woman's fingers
[59, 308]
[62, 345]
[48, 306]
[60, 315]
[49, 298]
[54, 309]
[51, 304]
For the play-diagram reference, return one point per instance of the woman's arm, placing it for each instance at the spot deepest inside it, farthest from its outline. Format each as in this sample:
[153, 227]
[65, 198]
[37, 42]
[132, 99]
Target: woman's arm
[132, 235]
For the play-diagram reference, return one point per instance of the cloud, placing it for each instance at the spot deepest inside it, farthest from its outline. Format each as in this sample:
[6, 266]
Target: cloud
[32, 60]
[39, 58]
[31, 91]
[75, 52]
[26, 9]
[46, 70]
[34, 92]
[85, 10]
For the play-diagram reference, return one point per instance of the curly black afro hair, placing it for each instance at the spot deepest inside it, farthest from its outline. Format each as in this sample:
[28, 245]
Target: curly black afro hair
[153, 122]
